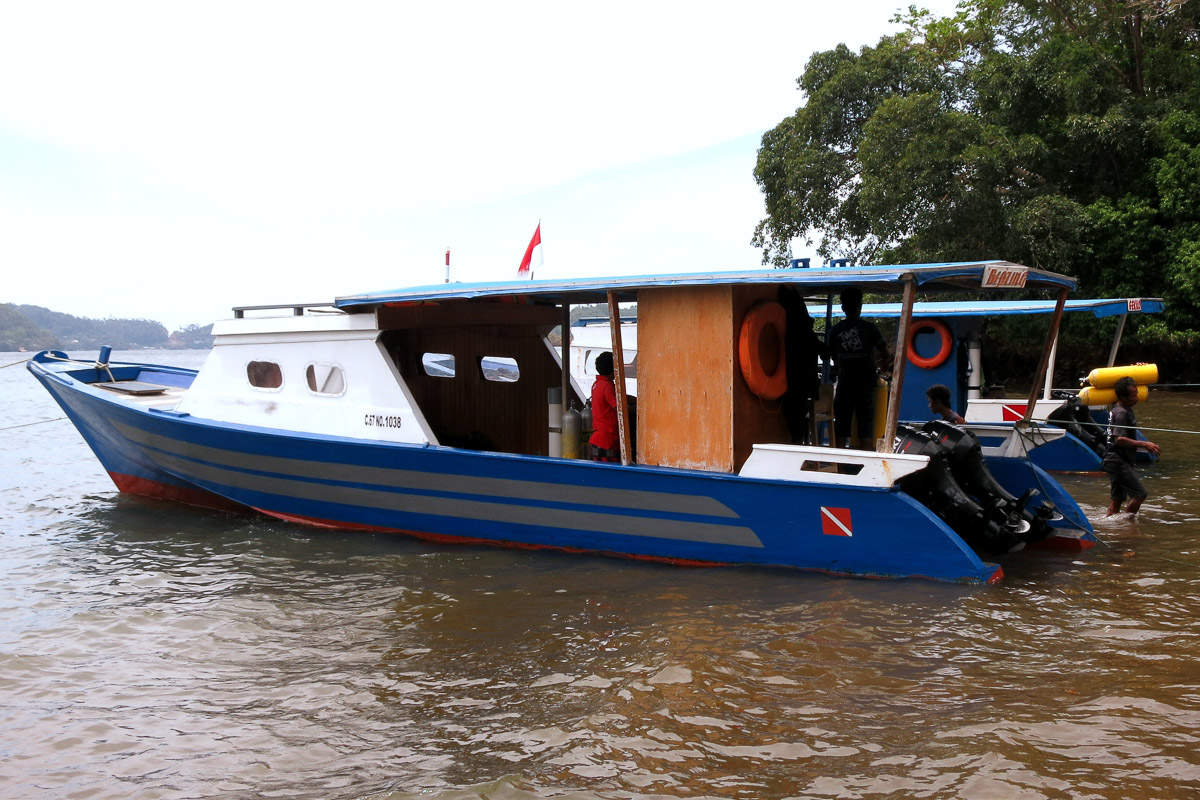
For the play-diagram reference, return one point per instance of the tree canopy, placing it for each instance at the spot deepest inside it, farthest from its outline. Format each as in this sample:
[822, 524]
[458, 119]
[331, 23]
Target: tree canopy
[1061, 134]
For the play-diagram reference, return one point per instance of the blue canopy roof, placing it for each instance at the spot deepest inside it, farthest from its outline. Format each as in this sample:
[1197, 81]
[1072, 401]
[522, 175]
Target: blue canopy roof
[1111, 307]
[881, 279]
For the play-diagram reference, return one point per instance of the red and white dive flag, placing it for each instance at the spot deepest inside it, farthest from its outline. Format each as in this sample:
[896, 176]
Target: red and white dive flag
[533, 255]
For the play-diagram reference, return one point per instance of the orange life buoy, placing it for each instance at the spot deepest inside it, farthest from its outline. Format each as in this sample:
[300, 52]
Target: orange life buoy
[761, 349]
[942, 354]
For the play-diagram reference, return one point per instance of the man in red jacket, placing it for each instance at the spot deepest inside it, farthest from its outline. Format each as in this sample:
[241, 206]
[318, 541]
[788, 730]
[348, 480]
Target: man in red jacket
[602, 444]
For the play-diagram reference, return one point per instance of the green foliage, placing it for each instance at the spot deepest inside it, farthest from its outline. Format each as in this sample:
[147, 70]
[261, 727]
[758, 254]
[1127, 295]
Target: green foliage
[1059, 133]
[72, 331]
[17, 332]
[193, 337]
[35, 328]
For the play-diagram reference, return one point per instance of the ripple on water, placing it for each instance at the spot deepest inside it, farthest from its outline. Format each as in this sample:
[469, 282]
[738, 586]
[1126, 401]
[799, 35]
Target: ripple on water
[149, 651]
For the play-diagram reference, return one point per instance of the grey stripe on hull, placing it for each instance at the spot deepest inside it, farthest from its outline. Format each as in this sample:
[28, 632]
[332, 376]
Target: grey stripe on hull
[481, 510]
[567, 519]
[697, 505]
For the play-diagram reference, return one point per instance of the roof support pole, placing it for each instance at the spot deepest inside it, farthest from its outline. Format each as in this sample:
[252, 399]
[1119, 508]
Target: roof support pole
[1050, 370]
[614, 324]
[1112, 354]
[898, 359]
[566, 355]
[1044, 363]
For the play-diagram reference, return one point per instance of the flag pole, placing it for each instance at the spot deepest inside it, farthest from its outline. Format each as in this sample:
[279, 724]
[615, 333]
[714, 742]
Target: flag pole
[539, 235]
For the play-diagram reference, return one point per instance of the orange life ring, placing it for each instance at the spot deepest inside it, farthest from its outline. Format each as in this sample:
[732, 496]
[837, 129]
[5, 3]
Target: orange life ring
[761, 349]
[938, 358]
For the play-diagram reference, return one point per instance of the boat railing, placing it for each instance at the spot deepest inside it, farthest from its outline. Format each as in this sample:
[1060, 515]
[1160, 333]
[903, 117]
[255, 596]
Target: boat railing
[298, 309]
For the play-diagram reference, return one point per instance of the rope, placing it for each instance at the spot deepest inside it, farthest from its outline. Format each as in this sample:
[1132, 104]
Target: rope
[15, 363]
[94, 364]
[27, 424]
[1100, 427]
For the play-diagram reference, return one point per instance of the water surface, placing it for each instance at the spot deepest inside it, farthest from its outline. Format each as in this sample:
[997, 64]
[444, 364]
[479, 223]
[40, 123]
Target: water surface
[149, 650]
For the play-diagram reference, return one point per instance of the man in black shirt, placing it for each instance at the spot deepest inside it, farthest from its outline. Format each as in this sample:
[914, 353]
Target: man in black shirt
[1123, 445]
[854, 344]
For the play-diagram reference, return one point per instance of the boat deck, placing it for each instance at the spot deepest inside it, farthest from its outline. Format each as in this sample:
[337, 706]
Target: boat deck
[145, 394]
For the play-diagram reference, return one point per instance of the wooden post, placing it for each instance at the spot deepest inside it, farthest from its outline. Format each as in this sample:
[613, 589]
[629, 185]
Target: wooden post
[566, 355]
[897, 387]
[1051, 339]
[618, 351]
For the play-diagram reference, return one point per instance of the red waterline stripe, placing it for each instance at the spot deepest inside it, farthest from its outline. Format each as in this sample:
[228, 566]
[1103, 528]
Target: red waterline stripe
[188, 495]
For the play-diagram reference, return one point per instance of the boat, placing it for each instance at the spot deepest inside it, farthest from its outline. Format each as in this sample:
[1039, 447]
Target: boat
[375, 412]
[945, 346]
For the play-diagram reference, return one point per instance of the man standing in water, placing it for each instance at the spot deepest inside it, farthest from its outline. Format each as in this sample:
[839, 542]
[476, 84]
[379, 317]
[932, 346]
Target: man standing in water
[1123, 445]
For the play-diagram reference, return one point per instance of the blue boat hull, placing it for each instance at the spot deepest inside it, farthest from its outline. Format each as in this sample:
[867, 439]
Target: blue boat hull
[450, 494]
[1066, 454]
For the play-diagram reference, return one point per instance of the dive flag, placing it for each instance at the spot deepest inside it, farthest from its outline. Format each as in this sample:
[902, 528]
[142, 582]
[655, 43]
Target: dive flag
[836, 521]
[533, 255]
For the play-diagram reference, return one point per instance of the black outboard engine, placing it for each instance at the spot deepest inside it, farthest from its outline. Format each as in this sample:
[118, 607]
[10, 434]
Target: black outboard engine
[965, 456]
[1077, 420]
[936, 488]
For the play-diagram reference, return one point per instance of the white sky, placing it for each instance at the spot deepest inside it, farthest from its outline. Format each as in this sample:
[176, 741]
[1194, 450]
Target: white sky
[170, 160]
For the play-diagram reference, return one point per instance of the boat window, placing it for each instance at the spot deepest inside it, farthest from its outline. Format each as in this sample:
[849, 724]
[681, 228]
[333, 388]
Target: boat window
[438, 365]
[834, 467]
[325, 379]
[264, 374]
[589, 363]
[500, 369]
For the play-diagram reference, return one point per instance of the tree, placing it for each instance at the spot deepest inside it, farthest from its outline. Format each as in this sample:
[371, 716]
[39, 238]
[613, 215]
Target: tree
[1056, 133]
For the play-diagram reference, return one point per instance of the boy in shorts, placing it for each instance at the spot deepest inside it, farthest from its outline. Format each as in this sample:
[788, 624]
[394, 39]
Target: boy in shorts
[1123, 445]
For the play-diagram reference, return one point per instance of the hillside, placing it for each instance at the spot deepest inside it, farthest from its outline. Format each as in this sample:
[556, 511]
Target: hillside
[36, 328]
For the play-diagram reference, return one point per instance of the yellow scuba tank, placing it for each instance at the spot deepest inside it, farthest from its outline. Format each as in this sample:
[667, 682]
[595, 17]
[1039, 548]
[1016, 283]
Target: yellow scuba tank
[1091, 396]
[1107, 377]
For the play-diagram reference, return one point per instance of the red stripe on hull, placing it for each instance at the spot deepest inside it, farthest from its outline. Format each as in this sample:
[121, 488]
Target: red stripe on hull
[191, 496]
[1068, 543]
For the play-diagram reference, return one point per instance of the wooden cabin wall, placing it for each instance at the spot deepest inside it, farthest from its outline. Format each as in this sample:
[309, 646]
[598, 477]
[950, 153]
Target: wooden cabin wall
[469, 410]
[685, 362]
[694, 409]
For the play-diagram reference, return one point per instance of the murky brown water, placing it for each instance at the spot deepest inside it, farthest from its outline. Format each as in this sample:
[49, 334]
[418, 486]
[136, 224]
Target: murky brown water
[154, 651]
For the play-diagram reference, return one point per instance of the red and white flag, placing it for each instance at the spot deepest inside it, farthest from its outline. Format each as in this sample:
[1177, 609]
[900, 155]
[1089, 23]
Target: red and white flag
[533, 255]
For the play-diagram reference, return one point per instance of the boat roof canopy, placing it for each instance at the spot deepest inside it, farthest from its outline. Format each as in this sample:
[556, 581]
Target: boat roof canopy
[1111, 307]
[963, 276]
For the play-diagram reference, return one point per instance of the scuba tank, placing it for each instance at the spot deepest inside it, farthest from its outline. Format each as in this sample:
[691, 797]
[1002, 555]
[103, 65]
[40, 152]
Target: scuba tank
[1107, 377]
[586, 421]
[572, 430]
[1091, 396]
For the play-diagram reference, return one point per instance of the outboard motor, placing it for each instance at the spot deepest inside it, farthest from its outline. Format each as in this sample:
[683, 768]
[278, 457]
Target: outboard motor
[965, 456]
[936, 488]
[1076, 419]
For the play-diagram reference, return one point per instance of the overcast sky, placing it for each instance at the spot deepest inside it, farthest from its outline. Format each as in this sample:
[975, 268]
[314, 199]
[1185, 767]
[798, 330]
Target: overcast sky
[171, 160]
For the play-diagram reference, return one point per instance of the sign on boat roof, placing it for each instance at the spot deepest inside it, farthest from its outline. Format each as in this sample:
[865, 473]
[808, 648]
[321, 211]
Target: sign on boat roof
[1111, 307]
[880, 279]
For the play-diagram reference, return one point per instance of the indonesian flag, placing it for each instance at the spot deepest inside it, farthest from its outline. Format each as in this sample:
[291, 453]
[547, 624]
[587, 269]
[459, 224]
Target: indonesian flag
[533, 255]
